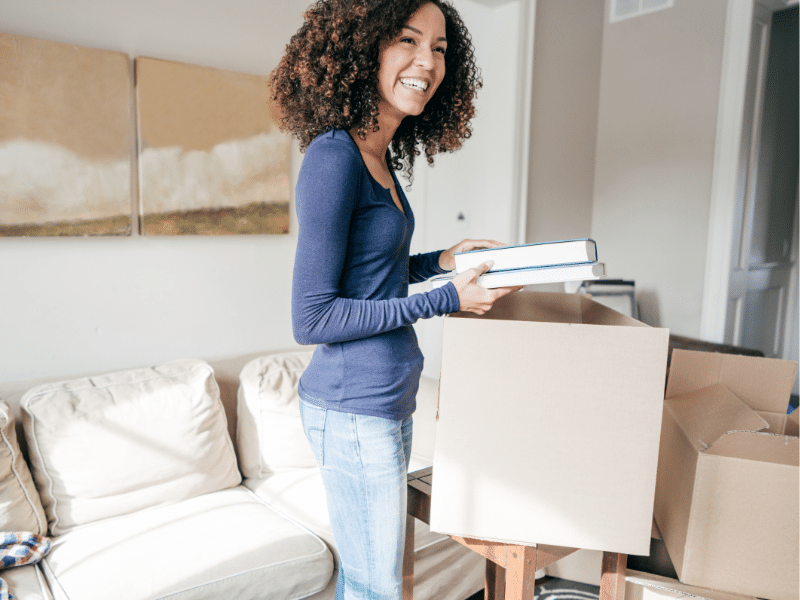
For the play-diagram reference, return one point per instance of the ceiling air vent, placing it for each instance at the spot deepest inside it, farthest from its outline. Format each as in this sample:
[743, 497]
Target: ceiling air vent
[627, 9]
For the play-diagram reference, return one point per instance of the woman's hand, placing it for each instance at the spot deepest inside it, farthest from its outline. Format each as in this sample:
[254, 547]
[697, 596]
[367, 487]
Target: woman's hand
[448, 262]
[473, 297]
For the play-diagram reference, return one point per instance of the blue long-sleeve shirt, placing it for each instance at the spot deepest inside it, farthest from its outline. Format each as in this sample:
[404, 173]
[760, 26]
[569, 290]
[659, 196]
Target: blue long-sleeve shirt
[350, 286]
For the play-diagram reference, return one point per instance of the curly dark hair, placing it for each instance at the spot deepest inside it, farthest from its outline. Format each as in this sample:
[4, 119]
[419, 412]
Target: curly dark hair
[328, 78]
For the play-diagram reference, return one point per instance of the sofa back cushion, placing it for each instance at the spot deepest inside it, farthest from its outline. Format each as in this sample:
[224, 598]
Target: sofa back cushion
[20, 506]
[111, 445]
[269, 434]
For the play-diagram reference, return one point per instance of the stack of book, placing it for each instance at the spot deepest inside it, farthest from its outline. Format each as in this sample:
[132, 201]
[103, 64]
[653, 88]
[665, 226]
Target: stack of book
[546, 262]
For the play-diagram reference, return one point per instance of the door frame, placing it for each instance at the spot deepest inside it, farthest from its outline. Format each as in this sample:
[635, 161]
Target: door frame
[722, 213]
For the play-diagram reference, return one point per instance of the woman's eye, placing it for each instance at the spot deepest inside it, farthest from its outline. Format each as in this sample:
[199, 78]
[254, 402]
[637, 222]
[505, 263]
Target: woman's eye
[442, 50]
[407, 40]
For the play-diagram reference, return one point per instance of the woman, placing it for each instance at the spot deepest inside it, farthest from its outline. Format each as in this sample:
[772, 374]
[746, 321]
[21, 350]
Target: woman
[358, 78]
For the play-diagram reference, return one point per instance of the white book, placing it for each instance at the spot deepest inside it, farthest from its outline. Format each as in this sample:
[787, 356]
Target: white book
[530, 255]
[533, 275]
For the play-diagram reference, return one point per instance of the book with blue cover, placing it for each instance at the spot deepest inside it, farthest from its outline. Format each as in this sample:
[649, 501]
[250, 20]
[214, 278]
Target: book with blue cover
[533, 275]
[562, 252]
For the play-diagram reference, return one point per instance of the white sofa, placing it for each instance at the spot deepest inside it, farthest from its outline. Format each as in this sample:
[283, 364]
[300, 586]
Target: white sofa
[186, 480]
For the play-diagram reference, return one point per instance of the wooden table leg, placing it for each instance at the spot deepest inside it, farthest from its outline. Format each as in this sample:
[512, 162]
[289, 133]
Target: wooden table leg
[520, 572]
[408, 560]
[612, 577]
[495, 583]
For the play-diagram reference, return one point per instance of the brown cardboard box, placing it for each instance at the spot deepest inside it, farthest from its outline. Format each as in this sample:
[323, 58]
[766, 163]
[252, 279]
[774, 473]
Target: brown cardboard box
[727, 492]
[646, 586]
[549, 417]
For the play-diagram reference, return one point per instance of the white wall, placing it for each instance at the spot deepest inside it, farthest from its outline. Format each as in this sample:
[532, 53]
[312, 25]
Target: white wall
[566, 86]
[73, 305]
[656, 132]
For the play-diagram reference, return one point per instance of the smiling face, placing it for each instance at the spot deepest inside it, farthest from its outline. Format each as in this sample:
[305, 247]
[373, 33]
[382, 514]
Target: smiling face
[412, 65]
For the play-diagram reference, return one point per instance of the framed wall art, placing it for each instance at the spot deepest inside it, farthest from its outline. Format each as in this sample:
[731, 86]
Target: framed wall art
[65, 139]
[211, 158]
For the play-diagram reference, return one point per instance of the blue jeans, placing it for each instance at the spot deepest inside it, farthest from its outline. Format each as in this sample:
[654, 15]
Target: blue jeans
[364, 462]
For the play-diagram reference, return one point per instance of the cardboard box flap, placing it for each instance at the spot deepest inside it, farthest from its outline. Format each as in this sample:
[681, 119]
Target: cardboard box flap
[777, 422]
[764, 384]
[548, 307]
[708, 413]
[792, 425]
[758, 446]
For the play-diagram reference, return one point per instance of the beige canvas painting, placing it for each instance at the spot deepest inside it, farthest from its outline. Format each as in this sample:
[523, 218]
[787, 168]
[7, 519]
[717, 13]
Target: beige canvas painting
[211, 158]
[65, 139]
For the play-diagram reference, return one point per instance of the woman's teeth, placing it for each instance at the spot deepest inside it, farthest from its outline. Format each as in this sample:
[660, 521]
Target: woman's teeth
[415, 84]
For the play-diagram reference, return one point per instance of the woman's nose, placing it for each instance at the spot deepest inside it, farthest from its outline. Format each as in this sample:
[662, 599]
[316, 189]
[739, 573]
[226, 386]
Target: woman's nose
[424, 57]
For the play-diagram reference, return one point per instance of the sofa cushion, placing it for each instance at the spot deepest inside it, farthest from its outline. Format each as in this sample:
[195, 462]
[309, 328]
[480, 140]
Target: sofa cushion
[26, 583]
[226, 544]
[443, 568]
[269, 434]
[115, 444]
[20, 506]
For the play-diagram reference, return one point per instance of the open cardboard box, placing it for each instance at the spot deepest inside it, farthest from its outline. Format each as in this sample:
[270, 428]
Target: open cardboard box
[548, 424]
[727, 492]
